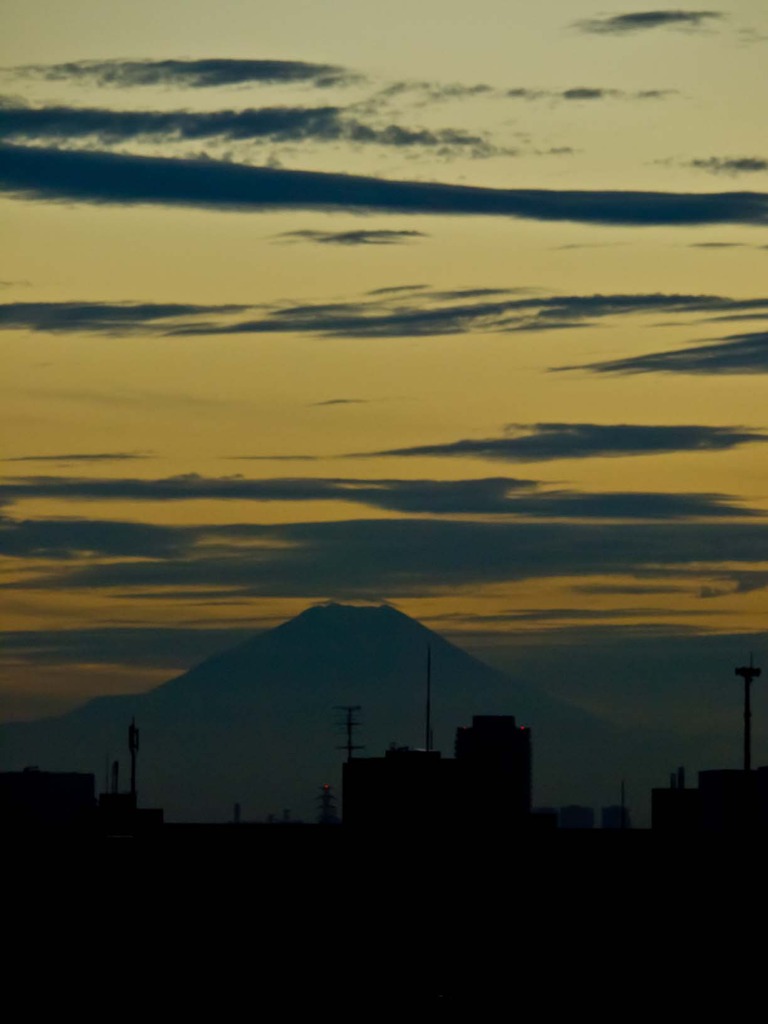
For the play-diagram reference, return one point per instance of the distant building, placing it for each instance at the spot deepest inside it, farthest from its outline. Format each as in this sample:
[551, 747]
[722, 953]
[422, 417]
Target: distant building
[405, 789]
[727, 800]
[35, 799]
[675, 810]
[487, 784]
[494, 755]
[615, 816]
[574, 816]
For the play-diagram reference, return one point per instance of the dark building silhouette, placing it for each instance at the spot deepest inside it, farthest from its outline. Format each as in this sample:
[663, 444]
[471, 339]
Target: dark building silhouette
[35, 799]
[574, 816]
[494, 754]
[487, 784]
[615, 816]
[727, 800]
[408, 789]
[119, 813]
[675, 809]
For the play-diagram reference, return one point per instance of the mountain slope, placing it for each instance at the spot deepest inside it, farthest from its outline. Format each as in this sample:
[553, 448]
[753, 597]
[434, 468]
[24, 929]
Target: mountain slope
[256, 723]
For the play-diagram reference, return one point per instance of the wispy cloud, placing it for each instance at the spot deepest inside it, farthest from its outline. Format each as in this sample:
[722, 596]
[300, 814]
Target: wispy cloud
[730, 164]
[425, 313]
[589, 93]
[35, 172]
[424, 93]
[102, 317]
[380, 558]
[541, 442]
[341, 401]
[403, 311]
[70, 538]
[198, 74]
[506, 496]
[734, 354]
[272, 124]
[643, 21]
[360, 236]
[82, 457]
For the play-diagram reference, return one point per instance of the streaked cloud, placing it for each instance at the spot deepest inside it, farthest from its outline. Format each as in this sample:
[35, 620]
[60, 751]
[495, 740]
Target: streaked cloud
[71, 538]
[429, 313]
[735, 354]
[197, 74]
[102, 317]
[40, 173]
[439, 92]
[81, 457]
[589, 93]
[271, 124]
[542, 442]
[489, 496]
[390, 557]
[730, 164]
[401, 311]
[360, 236]
[643, 21]
[340, 401]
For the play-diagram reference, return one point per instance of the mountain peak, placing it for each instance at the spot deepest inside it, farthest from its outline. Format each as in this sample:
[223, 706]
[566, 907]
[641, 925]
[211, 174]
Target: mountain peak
[335, 609]
[332, 616]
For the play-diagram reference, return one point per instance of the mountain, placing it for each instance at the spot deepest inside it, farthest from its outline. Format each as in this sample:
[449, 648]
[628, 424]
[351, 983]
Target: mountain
[257, 723]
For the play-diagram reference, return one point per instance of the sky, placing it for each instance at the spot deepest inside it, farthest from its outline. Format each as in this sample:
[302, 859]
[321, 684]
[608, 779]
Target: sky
[457, 307]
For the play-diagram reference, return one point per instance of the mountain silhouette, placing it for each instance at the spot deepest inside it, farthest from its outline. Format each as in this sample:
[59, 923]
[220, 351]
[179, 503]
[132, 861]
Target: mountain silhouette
[257, 724]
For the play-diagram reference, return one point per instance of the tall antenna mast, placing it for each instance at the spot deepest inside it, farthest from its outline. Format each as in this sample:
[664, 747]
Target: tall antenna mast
[428, 716]
[133, 746]
[748, 673]
[349, 724]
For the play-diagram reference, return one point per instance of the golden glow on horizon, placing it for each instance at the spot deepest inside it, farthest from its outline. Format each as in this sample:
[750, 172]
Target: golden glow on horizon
[194, 404]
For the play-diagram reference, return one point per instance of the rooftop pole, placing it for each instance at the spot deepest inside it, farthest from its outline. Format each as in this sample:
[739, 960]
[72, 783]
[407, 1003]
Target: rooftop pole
[428, 717]
[748, 673]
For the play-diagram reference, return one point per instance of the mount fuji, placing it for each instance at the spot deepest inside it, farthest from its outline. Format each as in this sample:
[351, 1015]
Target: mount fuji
[256, 724]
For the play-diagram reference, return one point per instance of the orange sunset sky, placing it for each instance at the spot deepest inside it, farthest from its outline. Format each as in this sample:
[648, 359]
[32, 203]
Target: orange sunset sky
[460, 307]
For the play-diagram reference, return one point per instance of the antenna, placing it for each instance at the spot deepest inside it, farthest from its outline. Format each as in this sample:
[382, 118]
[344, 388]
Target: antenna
[133, 746]
[748, 673]
[428, 716]
[349, 724]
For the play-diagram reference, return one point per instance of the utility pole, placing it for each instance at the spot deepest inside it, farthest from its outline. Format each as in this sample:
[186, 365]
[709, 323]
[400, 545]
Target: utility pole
[748, 673]
[327, 814]
[350, 723]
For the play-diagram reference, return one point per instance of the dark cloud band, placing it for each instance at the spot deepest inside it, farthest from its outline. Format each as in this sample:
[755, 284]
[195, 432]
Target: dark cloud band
[389, 556]
[195, 73]
[550, 441]
[272, 124]
[736, 354]
[81, 457]
[643, 21]
[97, 177]
[410, 311]
[488, 496]
[356, 237]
